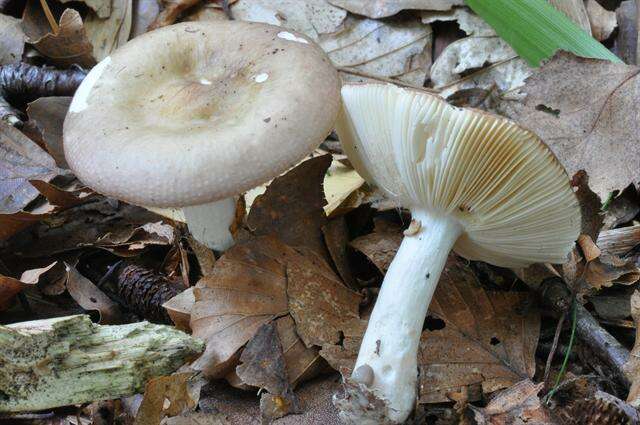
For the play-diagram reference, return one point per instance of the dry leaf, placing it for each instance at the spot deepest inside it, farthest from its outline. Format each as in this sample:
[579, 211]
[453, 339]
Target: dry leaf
[311, 17]
[475, 338]
[302, 363]
[319, 302]
[468, 21]
[246, 290]
[292, 207]
[101, 7]
[608, 270]
[623, 208]
[48, 114]
[144, 13]
[585, 110]
[106, 35]
[399, 49]
[10, 224]
[336, 237]
[381, 245]
[263, 366]
[21, 161]
[518, 405]
[625, 45]
[171, 12]
[168, 396]
[90, 297]
[13, 39]
[602, 21]
[574, 10]
[619, 241]
[340, 183]
[632, 367]
[68, 46]
[10, 287]
[383, 8]
[500, 63]
[179, 308]
[590, 205]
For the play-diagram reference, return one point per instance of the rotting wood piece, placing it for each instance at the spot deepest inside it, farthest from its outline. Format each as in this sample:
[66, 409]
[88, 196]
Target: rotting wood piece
[70, 360]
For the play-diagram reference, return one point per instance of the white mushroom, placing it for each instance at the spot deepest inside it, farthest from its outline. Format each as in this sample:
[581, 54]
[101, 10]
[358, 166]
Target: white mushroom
[196, 113]
[475, 183]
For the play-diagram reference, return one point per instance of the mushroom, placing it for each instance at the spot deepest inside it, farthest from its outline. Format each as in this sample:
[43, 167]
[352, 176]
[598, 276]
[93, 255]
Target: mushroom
[475, 183]
[193, 114]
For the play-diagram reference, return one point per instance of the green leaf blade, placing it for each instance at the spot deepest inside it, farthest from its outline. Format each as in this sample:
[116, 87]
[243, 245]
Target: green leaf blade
[536, 30]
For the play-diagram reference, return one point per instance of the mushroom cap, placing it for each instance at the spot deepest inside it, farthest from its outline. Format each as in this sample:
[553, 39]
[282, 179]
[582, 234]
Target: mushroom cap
[510, 194]
[196, 112]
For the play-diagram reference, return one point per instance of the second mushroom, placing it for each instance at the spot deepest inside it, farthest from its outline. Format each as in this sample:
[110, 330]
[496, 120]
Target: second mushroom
[475, 183]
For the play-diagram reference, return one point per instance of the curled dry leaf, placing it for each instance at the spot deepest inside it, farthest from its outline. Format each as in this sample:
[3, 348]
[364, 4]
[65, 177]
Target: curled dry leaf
[519, 404]
[602, 21]
[623, 208]
[107, 34]
[168, 396]
[90, 297]
[67, 46]
[48, 114]
[262, 365]
[574, 105]
[590, 205]
[336, 237]
[384, 8]
[620, 241]
[13, 39]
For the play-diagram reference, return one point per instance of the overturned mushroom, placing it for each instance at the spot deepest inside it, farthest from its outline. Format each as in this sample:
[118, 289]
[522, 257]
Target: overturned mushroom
[475, 183]
[196, 113]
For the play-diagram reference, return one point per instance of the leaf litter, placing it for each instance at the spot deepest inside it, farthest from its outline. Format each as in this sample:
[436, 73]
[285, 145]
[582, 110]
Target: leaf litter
[290, 301]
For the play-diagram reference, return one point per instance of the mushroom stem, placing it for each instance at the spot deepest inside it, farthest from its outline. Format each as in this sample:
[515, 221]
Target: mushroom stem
[390, 344]
[210, 223]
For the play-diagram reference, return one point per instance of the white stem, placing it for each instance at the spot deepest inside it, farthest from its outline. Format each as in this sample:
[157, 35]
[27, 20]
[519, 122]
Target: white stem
[210, 223]
[390, 344]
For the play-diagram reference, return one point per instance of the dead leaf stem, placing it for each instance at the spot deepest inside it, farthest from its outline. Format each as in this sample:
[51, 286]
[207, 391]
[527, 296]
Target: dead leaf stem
[49, 15]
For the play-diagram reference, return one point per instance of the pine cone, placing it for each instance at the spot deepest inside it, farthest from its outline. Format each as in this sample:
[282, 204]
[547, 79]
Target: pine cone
[604, 409]
[145, 291]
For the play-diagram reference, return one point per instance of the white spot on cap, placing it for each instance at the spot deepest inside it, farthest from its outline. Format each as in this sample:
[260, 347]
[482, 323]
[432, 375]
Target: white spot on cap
[261, 78]
[79, 102]
[205, 82]
[291, 37]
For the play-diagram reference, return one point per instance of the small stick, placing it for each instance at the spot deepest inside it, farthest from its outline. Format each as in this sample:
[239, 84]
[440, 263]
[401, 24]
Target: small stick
[49, 15]
[552, 352]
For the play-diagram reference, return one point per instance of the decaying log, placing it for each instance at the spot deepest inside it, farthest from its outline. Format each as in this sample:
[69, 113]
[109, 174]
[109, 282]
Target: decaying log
[70, 360]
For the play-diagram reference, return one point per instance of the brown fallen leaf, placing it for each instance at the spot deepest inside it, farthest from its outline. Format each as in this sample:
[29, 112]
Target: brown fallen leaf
[48, 114]
[517, 405]
[590, 205]
[475, 338]
[384, 8]
[179, 309]
[171, 395]
[381, 245]
[13, 39]
[22, 161]
[171, 12]
[204, 255]
[262, 365]
[10, 287]
[602, 21]
[574, 105]
[302, 363]
[619, 241]
[91, 298]
[246, 290]
[12, 223]
[67, 46]
[336, 238]
[292, 207]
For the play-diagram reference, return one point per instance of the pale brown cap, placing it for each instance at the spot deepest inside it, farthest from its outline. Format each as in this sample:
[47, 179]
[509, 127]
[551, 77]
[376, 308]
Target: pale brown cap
[498, 180]
[200, 111]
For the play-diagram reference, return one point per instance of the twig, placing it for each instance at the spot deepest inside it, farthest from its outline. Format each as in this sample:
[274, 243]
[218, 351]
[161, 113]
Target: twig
[556, 296]
[31, 82]
[357, 73]
[49, 15]
[552, 352]
[563, 369]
